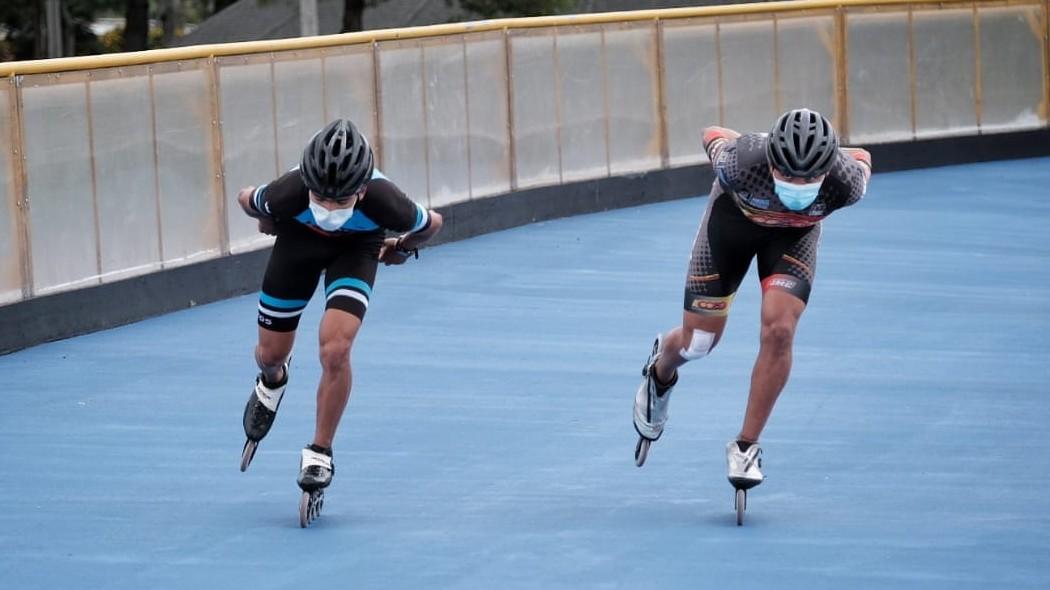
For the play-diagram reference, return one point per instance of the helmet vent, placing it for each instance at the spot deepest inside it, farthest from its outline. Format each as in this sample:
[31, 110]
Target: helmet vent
[802, 144]
[337, 161]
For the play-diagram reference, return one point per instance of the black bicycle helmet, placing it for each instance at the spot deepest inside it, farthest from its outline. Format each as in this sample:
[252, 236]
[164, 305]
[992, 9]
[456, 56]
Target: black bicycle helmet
[337, 161]
[802, 144]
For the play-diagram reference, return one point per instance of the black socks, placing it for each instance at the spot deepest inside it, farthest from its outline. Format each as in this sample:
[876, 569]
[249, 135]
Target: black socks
[661, 387]
[281, 383]
[322, 450]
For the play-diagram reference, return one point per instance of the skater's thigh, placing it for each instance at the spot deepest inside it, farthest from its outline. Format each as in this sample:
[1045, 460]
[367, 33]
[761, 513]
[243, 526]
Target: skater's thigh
[788, 262]
[722, 252]
[292, 274]
[350, 276]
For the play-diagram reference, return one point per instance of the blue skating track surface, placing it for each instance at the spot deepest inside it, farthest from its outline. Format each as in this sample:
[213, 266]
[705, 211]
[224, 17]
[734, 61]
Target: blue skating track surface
[488, 443]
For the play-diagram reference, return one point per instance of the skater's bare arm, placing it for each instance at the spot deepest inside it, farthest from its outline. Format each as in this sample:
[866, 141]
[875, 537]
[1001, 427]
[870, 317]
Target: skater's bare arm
[714, 132]
[244, 199]
[861, 155]
[715, 138]
[417, 239]
[398, 250]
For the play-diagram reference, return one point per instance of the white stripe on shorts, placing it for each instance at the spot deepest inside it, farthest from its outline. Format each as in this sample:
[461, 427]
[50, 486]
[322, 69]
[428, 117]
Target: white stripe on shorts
[349, 293]
[279, 314]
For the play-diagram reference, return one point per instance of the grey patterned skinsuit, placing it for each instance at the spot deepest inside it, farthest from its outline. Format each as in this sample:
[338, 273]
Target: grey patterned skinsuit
[745, 220]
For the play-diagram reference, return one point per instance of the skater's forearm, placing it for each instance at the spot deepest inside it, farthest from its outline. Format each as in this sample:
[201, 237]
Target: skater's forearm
[244, 199]
[412, 241]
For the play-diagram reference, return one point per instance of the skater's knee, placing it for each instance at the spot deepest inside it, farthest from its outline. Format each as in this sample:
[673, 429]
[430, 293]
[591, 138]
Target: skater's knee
[778, 334]
[697, 344]
[335, 353]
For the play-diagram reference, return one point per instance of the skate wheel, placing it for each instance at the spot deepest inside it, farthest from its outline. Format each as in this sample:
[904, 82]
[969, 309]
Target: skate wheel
[248, 453]
[741, 505]
[304, 510]
[310, 504]
[641, 450]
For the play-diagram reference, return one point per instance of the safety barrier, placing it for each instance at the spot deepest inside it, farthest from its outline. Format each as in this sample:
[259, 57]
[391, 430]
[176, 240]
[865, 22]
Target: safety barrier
[129, 164]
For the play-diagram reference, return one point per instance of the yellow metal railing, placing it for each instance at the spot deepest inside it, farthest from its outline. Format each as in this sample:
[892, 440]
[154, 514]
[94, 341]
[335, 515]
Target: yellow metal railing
[150, 148]
[251, 47]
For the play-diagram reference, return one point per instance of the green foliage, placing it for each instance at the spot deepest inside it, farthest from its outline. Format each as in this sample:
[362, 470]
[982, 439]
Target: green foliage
[19, 21]
[113, 41]
[19, 24]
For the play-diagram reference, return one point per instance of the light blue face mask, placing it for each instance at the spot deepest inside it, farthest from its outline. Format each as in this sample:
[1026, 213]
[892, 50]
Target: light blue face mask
[796, 196]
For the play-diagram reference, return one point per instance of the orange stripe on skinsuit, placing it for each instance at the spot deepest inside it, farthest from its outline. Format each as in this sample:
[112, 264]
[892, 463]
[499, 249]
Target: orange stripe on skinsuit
[799, 263]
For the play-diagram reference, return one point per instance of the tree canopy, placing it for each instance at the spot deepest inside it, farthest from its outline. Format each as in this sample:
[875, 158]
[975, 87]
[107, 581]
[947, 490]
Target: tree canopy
[23, 32]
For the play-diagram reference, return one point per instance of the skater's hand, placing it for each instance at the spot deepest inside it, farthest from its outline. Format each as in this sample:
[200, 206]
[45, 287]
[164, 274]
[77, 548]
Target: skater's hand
[859, 154]
[267, 226]
[864, 157]
[391, 252]
[244, 199]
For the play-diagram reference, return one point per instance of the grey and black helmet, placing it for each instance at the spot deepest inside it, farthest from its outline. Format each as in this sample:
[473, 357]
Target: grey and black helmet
[337, 161]
[802, 144]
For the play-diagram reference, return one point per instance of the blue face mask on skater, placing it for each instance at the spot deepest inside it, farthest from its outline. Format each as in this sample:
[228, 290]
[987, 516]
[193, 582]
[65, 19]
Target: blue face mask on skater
[796, 196]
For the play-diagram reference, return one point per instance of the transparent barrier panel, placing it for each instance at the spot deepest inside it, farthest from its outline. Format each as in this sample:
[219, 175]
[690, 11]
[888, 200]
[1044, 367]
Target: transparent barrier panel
[1013, 94]
[446, 104]
[806, 50]
[189, 193]
[878, 81]
[402, 121]
[690, 55]
[633, 87]
[487, 112]
[747, 75]
[63, 237]
[122, 171]
[534, 109]
[299, 106]
[349, 89]
[945, 88]
[10, 249]
[581, 90]
[248, 141]
[125, 173]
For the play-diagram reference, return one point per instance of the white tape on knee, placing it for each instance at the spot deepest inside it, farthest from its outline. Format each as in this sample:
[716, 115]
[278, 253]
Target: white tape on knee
[699, 345]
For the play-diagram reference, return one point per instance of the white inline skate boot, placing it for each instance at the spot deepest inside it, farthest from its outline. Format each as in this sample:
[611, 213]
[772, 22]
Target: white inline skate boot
[650, 404]
[745, 472]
